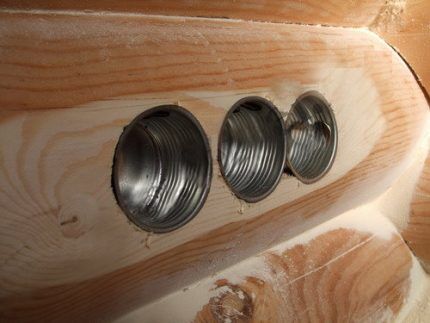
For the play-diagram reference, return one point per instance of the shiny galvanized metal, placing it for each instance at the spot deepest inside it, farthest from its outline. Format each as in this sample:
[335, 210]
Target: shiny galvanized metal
[252, 148]
[311, 137]
[162, 169]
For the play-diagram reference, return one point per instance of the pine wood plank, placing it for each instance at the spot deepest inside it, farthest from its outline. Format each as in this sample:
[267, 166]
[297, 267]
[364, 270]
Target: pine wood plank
[336, 13]
[417, 231]
[69, 83]
[340, 271]
[405, 25]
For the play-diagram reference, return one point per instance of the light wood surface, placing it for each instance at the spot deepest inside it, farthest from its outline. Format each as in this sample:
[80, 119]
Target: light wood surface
[69, 83]
[357, 278]
[338, 272]
[336, 13]
[405, 25]
[417, 231]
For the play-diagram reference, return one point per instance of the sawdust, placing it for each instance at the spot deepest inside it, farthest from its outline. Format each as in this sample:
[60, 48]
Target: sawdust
[390, 16]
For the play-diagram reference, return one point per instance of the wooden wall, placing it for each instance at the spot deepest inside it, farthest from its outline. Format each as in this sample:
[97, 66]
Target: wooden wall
[71, 79]
[335, 13]
[417, 230]
[364, 273]
[403, 24]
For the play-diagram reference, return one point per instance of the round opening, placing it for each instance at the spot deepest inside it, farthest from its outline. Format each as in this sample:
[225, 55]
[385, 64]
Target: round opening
[162, 169]
[252, 148]
[311, 137]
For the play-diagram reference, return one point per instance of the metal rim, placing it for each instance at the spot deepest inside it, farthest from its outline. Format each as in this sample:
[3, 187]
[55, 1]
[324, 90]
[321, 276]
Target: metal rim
[168, 147]
[312, 137]
[252, 148]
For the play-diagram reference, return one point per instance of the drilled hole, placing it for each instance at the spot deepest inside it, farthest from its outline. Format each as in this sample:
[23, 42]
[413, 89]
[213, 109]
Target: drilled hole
[311, 137]
[252, 148]
[162, 169]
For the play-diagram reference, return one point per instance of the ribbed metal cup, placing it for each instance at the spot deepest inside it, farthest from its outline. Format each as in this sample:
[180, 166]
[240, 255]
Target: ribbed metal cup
[311, 137]
[162, 169]
[252, 149]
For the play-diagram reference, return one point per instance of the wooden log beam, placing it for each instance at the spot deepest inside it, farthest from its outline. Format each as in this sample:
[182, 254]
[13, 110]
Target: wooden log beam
[405, 26]
[336, 13]
[417, 230]
[355, 267]
[69, 83]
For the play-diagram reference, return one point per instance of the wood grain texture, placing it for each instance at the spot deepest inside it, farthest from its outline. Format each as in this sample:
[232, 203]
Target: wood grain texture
[334, 273]
[417, 231]
[336, 13]
[70, 83]
[406, 26]
[354, 278]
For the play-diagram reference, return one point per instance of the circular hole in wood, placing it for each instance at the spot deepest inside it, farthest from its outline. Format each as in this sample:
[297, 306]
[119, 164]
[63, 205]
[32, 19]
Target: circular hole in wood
[162, 169]
[311, 137]
[252, 149]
